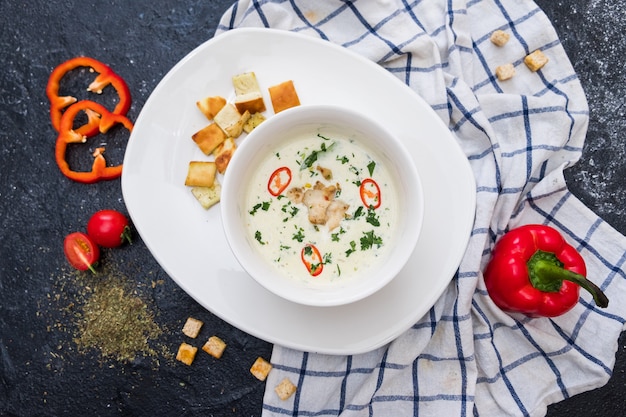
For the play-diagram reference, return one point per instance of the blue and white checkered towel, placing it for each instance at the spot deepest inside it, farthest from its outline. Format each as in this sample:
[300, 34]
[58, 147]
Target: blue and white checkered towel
[466, 356]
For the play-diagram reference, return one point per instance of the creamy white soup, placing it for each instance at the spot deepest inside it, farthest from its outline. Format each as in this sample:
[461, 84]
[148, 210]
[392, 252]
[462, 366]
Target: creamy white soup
[322, 208]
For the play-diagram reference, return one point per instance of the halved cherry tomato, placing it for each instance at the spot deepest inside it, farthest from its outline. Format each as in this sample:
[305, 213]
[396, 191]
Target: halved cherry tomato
[370, 193]
[279, 180]
[109, 228]
[81, 251]
[312, 259]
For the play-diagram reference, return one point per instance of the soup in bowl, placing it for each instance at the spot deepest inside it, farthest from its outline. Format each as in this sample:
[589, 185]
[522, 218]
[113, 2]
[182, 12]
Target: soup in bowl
[321, 205]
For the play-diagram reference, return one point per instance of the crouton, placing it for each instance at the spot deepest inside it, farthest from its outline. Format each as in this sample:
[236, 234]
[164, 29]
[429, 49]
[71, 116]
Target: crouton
[536, 60]
[208, 138]
[214, 347]
[505, 72]
[260, 368]
[207, 196]
[192, 327]
[223, 154]
[186, 353]
[248, 95]
[201, 174]
[285, 389]
[284, 96]
[254, 120]
[210, 106]
[499, 37]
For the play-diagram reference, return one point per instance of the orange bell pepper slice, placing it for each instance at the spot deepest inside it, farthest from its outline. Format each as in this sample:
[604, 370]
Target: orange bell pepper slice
[106, 76]
[67, 135]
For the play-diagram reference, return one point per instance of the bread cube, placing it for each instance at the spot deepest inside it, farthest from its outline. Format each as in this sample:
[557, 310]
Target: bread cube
[285, 389]
[254, 120]
[210, 106]
[284, 96]
[536, 60]
[499, 37]
[209, 138]
[505, 72]
[186, 353]
[223, 154]
[192, 327]
[260, 368]
[214, 347]
[201, 174]
[208, 196]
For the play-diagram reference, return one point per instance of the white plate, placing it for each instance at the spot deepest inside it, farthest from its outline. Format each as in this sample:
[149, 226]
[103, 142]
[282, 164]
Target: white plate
[188, 241]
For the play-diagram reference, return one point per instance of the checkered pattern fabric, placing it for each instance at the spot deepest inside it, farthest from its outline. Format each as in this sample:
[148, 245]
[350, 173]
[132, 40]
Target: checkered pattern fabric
[466, 357]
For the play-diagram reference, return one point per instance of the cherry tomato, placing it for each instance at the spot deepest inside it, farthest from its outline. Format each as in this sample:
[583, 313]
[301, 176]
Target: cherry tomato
[81, 251]
[370, 193]
[109, 228]
[312, 259]
[279, 180]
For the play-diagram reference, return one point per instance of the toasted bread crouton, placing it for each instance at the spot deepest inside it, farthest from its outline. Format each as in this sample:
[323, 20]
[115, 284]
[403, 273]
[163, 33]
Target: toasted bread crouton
[231, 121]
[247, 93]
[192, 327]
[208, 138]
[536, 60]
[201, 173]
[207, 196]
[250, 102]
[284, 96]
[223, 154]
[499, 37]
[285, 389]
[505, 72]
[254, 120]
[214, 347]
[210, 106]
[260, 368]
[186, 353]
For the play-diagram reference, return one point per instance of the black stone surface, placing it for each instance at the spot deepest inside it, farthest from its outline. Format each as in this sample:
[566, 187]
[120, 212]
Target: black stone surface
[41, 371]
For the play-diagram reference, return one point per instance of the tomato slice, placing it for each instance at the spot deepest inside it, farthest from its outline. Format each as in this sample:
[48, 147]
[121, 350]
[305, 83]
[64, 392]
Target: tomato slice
[279, 180]
[312, 259]
[370, 193]
[81, 252]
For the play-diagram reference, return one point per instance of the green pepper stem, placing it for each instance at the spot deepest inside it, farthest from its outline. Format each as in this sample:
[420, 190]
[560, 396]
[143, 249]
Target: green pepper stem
[546, 275]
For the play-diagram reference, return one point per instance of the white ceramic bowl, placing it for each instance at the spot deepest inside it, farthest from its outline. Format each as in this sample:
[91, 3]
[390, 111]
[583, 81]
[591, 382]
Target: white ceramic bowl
[269, 138]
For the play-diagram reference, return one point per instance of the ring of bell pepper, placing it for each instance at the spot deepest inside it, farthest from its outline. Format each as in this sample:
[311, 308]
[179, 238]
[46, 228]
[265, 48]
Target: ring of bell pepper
[534, 271]
[106, 76]
[67, 135]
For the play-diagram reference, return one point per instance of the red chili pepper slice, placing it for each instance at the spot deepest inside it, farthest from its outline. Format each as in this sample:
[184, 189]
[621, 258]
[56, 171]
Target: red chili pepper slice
[279, 180]
[312, 259]
[106, 76]
[99, 170]
[370, 193]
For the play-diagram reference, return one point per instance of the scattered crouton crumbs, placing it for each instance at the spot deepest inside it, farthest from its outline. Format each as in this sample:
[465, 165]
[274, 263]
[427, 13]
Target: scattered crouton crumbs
[536, 60]
[260, 368]
[186, 353]
[285, 389]
[192, 327]
[505, 72]
[214, 347]
[499, 37]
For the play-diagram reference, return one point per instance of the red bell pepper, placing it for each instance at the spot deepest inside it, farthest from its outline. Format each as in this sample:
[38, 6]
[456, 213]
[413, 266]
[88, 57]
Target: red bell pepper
[106, 76]
[533, 270]
[106, 120]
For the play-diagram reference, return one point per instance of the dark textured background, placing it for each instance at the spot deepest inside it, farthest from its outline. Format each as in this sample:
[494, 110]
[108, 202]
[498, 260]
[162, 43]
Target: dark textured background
[41, 371]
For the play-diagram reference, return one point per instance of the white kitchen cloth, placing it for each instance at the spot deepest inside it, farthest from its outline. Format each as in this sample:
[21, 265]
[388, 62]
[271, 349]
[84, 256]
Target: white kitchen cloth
[466, 357]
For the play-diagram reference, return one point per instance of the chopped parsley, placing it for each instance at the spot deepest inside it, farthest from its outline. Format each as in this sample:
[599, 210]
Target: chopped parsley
[370, 167]
[263, 206]
[258, 237]
[299, 235]
[352, 248]
[369, 239]
[312, 157]
[372, 218]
